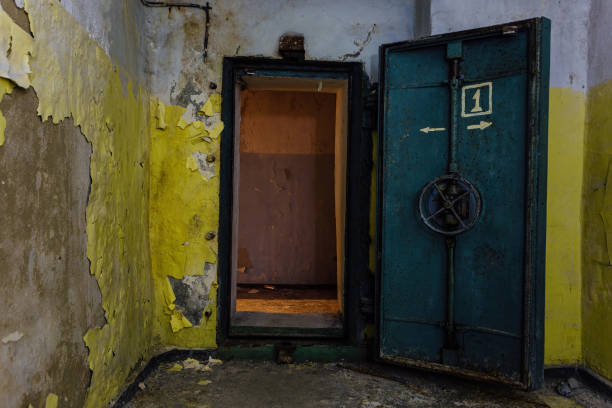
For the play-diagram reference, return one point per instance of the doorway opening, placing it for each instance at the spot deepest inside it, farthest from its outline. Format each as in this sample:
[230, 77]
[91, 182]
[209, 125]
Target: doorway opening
[289, 190]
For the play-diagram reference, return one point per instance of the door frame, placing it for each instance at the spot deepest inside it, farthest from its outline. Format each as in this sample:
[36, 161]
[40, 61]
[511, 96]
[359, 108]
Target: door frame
[358, 156]
[538, 29]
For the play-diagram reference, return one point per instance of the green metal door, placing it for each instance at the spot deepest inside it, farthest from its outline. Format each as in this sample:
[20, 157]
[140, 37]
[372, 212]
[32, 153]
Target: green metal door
[461, 202]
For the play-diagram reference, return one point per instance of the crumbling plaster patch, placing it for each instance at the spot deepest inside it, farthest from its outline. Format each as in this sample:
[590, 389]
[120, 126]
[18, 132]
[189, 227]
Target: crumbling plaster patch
[183, 212]
[192, 293]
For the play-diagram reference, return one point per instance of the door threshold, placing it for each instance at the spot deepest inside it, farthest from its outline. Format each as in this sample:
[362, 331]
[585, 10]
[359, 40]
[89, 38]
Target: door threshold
[285, 324]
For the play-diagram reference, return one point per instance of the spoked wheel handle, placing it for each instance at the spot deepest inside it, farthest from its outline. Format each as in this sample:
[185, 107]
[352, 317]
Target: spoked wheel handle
[449, 205]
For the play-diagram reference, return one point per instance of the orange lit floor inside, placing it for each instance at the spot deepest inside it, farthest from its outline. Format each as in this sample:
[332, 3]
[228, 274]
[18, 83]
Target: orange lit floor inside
[286, 300]
[274, 306]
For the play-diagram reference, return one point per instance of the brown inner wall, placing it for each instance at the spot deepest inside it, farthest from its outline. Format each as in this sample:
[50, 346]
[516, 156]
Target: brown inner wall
[286, 227]
[47, 292]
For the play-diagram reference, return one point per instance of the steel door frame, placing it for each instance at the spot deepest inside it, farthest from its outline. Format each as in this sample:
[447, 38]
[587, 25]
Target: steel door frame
[357, 195]
[538, 29]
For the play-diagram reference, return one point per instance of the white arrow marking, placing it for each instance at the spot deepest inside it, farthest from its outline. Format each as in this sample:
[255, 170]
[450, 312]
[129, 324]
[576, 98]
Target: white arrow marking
[428, 129]
[482, 125]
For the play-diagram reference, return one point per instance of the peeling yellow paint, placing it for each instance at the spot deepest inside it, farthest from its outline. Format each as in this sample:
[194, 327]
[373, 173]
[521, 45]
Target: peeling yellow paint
[214, 361]
[216, 131]
[116, 123]
[215, 101]
[175, 367]
[51, 401]
[178, 321]
[183, 208]
[160, 115]
[15, 50]
[211, 106]
[204, 382]
[207, 109]
[182, 123]
[6, 87]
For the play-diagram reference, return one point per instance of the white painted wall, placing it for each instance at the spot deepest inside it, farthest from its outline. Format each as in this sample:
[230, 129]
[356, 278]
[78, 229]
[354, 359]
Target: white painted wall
[600, 52]
[569, 25]
[331, 29]
[118, 26]
[162, 48]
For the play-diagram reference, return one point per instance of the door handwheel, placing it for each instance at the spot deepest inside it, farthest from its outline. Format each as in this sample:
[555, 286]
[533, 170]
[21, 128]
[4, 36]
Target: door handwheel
[449, 205]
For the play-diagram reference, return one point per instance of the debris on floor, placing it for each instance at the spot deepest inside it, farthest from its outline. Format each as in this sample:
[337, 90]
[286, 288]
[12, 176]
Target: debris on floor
[266, 384]
[193, 364]
[561, 392]
[564, 389]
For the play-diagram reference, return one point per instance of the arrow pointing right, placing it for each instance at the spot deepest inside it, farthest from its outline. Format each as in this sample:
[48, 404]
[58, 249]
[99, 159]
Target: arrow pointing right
[482, 125]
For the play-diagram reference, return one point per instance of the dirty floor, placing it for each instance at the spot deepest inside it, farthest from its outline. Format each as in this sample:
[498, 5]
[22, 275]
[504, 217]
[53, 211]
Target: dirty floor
[288, 300]
[240, 383]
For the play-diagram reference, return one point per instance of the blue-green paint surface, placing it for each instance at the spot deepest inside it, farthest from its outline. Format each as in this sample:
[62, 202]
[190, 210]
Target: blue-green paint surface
[490, 258]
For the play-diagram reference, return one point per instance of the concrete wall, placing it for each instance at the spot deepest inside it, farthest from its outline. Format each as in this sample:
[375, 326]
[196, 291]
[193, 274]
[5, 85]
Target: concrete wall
[48, 296]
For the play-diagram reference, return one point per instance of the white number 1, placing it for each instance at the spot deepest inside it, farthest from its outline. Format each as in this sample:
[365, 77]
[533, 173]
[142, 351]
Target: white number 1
[476, 99]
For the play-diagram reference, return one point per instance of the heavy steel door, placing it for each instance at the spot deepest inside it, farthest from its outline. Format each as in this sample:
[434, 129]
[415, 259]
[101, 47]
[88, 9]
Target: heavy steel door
[462, 197]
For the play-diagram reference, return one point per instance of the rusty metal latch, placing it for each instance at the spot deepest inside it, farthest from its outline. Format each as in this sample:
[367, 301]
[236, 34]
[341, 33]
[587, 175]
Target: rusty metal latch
[291, 46]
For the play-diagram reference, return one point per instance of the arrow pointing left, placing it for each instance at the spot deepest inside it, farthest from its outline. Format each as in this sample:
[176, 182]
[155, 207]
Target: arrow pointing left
[430, 129]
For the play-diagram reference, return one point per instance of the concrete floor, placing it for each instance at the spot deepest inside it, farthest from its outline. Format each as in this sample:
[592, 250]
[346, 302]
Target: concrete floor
[240, 383]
